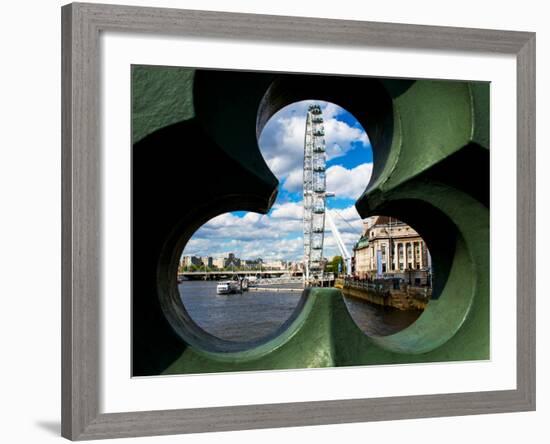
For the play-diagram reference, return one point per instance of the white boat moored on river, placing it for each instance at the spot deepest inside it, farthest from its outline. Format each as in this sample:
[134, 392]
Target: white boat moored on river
[228, 287]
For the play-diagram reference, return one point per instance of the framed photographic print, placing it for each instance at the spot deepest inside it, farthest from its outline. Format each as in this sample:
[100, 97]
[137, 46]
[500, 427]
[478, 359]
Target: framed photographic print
[278, 221]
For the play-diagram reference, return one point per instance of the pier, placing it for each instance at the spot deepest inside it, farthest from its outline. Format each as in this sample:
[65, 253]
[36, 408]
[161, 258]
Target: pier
[276, 289]
[400, 296]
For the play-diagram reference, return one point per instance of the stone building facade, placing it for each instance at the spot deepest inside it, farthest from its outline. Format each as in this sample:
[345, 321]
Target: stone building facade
[218, 262]
[390, 248]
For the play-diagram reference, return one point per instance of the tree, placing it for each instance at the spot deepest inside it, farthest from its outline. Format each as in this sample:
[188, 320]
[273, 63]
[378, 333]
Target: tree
[332, 266]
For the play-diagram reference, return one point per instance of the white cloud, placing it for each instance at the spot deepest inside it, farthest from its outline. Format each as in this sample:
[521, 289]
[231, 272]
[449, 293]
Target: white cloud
[223, 220]
[330, 110]
[282, 144]
[288, 210]
[278, 235]
[252, 218]
[340, 137]
[348, 221]
[294, 181]
[282, 139]
[348, 183]
[285, 248]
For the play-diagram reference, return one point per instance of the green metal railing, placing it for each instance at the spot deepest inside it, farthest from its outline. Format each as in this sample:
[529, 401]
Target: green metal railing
[425, 134]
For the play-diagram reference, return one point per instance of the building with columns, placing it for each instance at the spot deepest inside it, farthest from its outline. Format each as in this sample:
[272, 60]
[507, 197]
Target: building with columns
[391, 248]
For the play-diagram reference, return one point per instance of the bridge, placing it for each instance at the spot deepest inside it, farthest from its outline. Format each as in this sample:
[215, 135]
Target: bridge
[327, 280]
[209, 275]
[278, 280]
[264, 281]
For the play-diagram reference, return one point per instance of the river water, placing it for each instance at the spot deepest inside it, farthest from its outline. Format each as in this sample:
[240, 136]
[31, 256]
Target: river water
[254, 315]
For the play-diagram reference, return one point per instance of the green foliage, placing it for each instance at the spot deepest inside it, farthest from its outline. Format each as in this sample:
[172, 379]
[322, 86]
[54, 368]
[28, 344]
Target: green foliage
[332, 266]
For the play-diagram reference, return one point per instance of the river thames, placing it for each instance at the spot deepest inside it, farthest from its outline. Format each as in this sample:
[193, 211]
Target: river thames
[254, 315]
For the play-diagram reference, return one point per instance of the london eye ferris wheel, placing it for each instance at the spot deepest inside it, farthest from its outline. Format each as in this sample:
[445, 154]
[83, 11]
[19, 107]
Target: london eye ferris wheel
[314, 194]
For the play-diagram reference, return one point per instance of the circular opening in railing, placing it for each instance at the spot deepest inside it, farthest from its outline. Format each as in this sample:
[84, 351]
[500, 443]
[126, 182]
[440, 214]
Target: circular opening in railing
[390, 281]
[242, 274]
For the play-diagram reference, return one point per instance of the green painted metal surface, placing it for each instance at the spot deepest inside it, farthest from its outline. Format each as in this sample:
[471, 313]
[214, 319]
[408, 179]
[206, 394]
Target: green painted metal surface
[430, 141]
[160, 96]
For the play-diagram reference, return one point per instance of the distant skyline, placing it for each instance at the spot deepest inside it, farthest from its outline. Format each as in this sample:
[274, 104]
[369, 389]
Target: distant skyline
[278, 234]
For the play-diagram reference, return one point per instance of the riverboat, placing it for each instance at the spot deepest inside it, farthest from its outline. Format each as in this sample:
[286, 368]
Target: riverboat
[228, 287]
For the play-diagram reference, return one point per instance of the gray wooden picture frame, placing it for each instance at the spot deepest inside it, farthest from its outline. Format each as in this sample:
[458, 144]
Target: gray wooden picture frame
[81, 171]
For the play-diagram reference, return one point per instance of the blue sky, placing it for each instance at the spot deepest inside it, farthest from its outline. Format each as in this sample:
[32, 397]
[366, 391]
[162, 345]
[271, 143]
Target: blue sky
[278, 235]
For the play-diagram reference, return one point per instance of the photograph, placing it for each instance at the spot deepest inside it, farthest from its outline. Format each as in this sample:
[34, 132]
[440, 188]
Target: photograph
[301, 220]
[274, 222]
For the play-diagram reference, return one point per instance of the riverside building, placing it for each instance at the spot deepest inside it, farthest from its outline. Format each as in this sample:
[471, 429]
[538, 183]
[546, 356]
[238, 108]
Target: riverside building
[390, 248]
